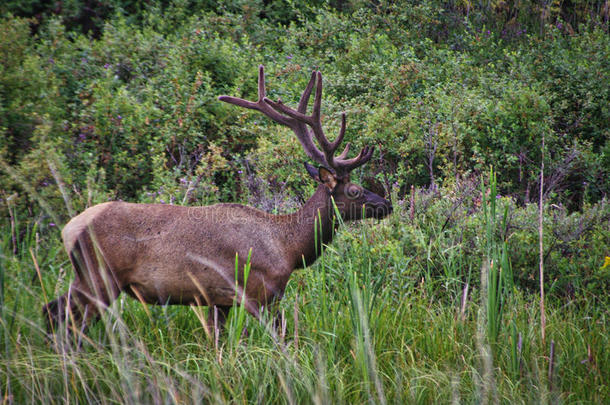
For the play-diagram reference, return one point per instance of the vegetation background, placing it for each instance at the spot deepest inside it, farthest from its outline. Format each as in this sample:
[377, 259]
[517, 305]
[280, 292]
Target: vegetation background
[107, 99]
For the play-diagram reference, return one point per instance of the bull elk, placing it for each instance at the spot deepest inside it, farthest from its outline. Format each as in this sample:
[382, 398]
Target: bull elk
[166, 254]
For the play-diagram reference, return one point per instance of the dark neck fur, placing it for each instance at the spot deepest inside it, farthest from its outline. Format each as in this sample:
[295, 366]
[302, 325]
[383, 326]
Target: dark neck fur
[301, 237]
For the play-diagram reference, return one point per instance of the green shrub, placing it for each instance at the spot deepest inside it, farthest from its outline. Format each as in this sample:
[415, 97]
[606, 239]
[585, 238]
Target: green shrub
[132, 112]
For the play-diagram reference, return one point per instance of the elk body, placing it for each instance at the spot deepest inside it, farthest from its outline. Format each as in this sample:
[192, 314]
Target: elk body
[166, 254]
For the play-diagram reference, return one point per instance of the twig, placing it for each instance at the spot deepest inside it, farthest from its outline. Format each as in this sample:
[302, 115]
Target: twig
[541, 245]
[61, 185]
[412, 204]
[464, 301]
[12, 219]
[296, 322]
[192, 185]
[551, 365]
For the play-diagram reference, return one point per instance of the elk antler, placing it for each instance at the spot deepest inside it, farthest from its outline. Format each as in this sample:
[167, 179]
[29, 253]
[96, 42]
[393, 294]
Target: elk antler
[298, 120]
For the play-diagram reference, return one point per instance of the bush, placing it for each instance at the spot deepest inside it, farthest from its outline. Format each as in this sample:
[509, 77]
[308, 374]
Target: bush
[132, 113]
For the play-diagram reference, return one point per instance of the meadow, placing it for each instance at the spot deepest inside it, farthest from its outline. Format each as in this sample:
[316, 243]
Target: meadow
[469, 107]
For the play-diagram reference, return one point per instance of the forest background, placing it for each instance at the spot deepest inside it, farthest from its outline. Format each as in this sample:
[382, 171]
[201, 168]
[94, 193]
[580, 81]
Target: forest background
[117, 100]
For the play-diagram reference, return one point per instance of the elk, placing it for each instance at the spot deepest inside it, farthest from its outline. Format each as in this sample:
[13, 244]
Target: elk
[167, 254]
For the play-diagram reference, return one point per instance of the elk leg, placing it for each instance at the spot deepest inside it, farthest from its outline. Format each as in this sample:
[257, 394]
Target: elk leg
[217, 316]
[273, 308]
[277, 316]
[93, 289]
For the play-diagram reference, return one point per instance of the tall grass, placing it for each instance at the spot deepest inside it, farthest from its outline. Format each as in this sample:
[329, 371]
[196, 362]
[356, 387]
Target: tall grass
[497, 277]
[356, 327]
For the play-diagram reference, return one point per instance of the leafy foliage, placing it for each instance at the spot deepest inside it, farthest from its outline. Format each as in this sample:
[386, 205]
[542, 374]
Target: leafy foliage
[104, 100]
[138, 101]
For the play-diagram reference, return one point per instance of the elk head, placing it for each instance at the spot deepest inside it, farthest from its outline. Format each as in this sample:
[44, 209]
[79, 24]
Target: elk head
[353, 201]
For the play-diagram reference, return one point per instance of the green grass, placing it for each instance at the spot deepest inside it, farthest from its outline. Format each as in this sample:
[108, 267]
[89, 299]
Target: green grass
[366, 323]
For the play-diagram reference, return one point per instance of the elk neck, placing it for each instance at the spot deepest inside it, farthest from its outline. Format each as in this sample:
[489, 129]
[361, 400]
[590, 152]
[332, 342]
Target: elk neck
[301, 236]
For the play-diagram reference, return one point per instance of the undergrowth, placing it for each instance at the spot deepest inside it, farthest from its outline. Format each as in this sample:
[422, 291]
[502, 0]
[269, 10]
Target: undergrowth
[369, 321]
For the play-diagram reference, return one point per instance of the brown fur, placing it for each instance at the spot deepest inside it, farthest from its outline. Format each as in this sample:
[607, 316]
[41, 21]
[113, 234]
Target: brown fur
[166, 254]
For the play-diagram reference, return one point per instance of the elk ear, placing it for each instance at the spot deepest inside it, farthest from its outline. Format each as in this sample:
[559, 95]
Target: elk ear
[327, 178]
[313, 172]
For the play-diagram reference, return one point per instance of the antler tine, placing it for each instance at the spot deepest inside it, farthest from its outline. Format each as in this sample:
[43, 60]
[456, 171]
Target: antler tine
[343, 154]
[261, 83]
[316, 126]
[350, 164]
[264, 105]
[335, 144]
[339, 164]
[259, 105]
[298, 121]
[313, 120]
[317, 101]
[281, 107]
[302, 108]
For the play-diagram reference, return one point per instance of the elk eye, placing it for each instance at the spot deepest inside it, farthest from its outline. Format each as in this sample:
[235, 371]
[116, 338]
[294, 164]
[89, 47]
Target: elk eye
[352, 191]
